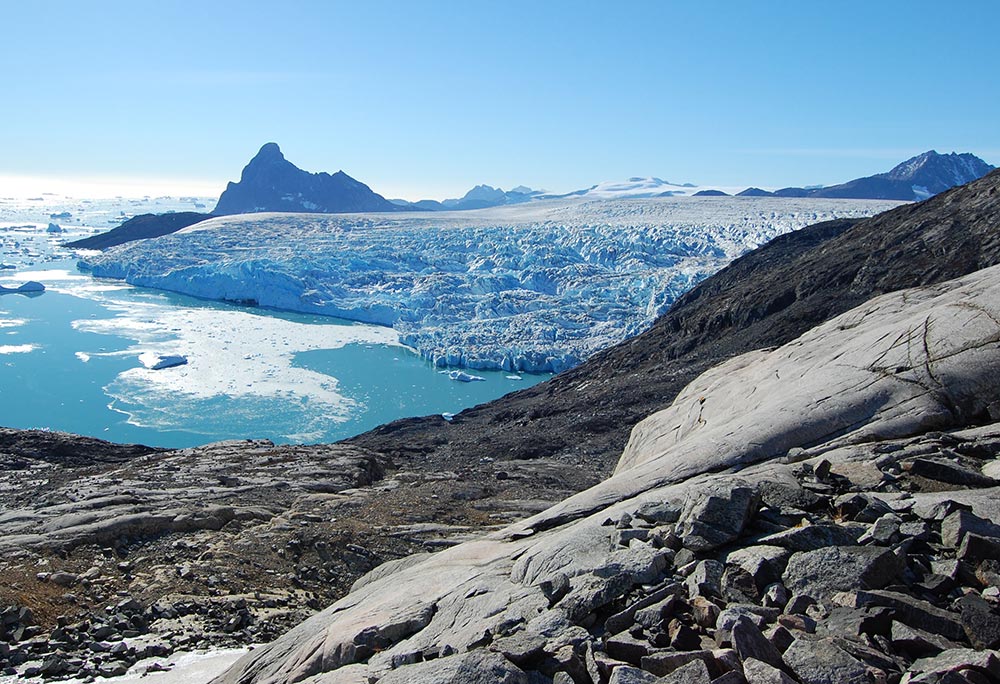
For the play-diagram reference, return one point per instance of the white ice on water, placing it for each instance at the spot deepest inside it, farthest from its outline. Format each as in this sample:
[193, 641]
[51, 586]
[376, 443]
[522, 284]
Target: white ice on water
[231, 353]
[530, 287]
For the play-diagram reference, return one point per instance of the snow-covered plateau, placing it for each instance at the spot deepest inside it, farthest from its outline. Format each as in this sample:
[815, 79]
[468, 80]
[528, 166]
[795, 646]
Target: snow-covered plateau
[538, 286]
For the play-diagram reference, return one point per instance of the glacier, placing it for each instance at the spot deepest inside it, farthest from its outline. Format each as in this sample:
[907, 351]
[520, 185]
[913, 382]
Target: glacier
[534, 287]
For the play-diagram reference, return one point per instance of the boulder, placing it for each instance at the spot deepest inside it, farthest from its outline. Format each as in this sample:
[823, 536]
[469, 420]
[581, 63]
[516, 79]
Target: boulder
[750, 643]
[695, 672]
[758, 672]
[716, 515]
[928, 670]
[474, 667]
[908, 610]
[956, 525]
[980, 621]
[824, 572]
[812, 537]
[821, 661]
[623, 674]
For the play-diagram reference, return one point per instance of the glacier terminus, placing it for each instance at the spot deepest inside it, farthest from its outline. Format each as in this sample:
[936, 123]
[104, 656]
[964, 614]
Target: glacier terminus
[535, 287]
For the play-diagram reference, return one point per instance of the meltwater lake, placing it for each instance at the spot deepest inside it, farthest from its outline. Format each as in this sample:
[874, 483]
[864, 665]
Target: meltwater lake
[71, 358]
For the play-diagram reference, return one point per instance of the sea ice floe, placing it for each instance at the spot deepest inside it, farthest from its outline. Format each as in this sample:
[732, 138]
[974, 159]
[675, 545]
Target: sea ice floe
[17, 348]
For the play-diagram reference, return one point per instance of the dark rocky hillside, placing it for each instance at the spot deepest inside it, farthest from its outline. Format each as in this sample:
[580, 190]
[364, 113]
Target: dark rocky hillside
[140, 228]
[763, 299]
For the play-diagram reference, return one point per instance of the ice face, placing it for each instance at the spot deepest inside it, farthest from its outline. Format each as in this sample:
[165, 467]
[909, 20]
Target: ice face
[532, 287]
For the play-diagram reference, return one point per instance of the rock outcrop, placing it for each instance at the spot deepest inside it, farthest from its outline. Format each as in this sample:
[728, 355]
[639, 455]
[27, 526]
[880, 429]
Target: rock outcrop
[272, 183]
[141, 227]
[766, 298]
[782, 518]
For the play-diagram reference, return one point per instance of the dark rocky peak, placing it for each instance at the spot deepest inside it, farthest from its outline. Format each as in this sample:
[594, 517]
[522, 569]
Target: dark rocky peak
[940, 169]
[272, 183]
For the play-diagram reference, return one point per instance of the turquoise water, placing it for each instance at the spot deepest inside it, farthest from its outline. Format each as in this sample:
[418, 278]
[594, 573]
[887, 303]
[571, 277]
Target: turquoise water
[70, 358]
[69, 361]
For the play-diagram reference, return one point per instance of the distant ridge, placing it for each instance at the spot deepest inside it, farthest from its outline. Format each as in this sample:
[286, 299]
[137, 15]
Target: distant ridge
[139, 228]
[479, 197]
[272, 183]
[915, 179]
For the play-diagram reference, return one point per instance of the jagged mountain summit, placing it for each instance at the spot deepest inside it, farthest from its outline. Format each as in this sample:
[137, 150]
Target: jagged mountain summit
[916, 178]
[272, 183]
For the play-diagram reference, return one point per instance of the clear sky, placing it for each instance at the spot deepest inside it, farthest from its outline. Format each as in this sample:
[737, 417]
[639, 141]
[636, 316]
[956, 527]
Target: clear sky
[425, 99]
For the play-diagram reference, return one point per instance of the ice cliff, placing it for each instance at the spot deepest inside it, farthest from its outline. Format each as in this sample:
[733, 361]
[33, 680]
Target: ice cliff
[536, 287]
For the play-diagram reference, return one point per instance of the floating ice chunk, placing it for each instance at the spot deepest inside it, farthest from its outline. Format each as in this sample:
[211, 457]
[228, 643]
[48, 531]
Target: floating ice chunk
[448, 416]
[514, 377]
[27, 288]
[16, 348]
[462, 376]
[154, 361]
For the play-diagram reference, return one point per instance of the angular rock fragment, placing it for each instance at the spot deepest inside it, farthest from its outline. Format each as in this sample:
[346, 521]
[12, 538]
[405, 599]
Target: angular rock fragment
[750, 643]
[695, 672]
[980, 621]
[624, 674]
[928, 670]
[948, 471]
[821, 661]
[812, 537]
[474, 667]
[715, 515]
[908, 610]
[919, 642]
[824, 572]
[956, 525]
[758, 672]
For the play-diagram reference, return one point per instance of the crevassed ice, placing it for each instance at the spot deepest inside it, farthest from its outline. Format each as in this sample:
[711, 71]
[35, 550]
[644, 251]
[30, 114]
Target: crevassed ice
[534, 287]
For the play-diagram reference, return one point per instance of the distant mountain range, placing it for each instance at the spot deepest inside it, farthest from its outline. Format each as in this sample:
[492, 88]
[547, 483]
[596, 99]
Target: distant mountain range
[480, 197]
[915, 179]
[272, 183]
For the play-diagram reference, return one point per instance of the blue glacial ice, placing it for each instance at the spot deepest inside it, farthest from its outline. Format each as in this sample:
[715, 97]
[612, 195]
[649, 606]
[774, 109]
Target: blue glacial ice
[533, 287]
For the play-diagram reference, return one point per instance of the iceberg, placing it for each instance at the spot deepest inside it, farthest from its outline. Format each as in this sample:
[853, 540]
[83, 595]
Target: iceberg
[160, 361]
[531, 287]
[30, 287]
[462, 376]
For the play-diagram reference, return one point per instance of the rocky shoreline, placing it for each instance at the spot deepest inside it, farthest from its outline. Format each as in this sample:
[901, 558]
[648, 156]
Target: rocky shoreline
[110, 554]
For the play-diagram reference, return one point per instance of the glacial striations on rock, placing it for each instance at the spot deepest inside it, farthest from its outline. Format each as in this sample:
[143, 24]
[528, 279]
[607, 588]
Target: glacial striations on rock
[702, 511]
[272, 183]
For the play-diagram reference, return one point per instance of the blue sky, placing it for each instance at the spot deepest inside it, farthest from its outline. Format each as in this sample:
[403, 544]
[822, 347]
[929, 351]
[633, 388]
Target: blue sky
[426, 99]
